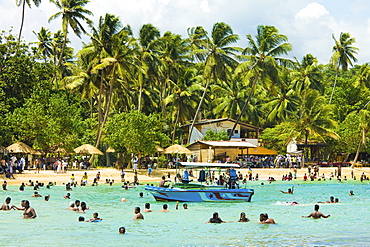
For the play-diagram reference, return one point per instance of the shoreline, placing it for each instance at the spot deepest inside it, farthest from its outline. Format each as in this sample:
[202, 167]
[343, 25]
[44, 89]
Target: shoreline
[111, 173]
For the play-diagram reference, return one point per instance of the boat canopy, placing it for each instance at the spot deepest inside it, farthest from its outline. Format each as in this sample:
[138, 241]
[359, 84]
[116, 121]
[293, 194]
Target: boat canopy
[199, 164]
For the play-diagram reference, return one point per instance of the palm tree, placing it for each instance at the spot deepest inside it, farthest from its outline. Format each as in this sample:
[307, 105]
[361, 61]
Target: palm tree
[72, 11]
[44, 43]
[148, 57]
[23, 3]
[343, 55]
[307, 75]
[216, 54]
[364, 116]
[183, 99]
[313, 119]
[262, 60]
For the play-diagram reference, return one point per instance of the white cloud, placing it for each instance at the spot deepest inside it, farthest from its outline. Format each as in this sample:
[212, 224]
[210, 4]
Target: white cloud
[204, 6]
[312, 10]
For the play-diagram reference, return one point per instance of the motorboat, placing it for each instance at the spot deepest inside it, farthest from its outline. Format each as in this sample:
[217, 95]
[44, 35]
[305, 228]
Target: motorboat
[186, 191]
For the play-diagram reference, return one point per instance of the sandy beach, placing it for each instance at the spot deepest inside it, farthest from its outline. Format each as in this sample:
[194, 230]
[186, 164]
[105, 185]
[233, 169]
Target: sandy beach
[111, 173]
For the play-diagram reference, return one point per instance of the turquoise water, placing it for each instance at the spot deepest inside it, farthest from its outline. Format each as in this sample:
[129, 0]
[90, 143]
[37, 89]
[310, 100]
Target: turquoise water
[56, 226]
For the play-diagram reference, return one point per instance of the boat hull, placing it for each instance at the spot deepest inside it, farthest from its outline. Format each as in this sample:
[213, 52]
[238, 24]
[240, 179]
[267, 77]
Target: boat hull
[200, 195]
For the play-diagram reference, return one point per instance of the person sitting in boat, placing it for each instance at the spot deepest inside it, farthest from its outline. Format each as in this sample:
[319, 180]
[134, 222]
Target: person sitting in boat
[185, 177]
[163, 181]
[215, 219]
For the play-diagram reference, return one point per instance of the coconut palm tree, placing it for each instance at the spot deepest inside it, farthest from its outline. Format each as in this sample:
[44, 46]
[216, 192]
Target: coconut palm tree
[343, 55]
[262, 60]
[71, 11]
[216, 53]
[313, 119]
[44, 43]
[307, 74]
[184, 98]
[23, 3]
[364, 116]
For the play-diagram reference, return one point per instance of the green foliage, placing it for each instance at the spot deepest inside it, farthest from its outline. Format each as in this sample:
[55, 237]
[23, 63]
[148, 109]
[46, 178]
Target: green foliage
[48, 118]
[215, 136]
[278, 137]
[134, 132]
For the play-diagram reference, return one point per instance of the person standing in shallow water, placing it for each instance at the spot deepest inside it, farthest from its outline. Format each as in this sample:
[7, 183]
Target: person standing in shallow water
[138, 215]
[215, 219]
[29, 213]
[316, 214]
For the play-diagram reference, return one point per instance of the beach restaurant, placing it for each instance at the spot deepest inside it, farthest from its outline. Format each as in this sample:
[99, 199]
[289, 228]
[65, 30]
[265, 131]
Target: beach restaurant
[209, 151]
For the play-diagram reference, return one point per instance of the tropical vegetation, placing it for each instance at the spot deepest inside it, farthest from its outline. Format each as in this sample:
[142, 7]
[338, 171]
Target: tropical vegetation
[159, 81]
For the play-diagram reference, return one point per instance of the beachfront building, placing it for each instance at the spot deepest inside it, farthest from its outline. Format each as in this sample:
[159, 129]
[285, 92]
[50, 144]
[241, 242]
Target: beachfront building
[242, 132]
[222, 151]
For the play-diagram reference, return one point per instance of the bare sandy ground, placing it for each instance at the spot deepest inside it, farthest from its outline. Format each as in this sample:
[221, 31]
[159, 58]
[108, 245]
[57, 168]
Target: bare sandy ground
[110, 173]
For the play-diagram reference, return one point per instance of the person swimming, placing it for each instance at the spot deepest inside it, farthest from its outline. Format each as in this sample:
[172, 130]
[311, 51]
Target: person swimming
[81, 218]
[316, 214]
[290, 191]
[95, 218]
[351, 193]
[138, 215]
[165, 206]
[122, 230]
[29, 213]
[67, 196]
[264, 219]
[147, 208]
[243, 218]
[215, 219]
[6, 205]
[36, 194]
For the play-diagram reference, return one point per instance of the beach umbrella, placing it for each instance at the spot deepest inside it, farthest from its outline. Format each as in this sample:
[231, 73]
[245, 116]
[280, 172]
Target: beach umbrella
[177, 149]
[21, 147]
[159, 149]
[110, 150]
[87, 149]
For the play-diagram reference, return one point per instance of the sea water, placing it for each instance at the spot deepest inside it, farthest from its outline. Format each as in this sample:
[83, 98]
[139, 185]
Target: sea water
[348, 224]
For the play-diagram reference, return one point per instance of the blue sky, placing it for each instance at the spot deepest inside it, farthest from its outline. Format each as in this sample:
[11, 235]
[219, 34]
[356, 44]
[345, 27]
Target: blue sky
[309, 25]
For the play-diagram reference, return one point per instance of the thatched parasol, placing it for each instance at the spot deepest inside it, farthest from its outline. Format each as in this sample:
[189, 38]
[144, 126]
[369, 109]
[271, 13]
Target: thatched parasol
[110, 150]
[159, 148]
[177, 149]
[87, 149]
[21, 147]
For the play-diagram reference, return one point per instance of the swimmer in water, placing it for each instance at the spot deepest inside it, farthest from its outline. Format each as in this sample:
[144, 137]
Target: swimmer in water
[215, 219]
[47, 198]
[81, 219]
[122, 230]
[331, 200]
[29, 213]
[68, 196]
[165, 206]
[264, 219]
[147, 208]
[185, 206]
[71, 206]
[243, 218]
[138, 215]
[6, 205]
[95, 217]
[36, 194]
[290, 191]
[351, 193]
[316, 214]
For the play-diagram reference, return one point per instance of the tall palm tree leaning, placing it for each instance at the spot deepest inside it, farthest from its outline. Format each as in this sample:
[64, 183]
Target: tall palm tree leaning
[343, 53]
[262, 61]
[23, 3]
[216, 53]
[71, 12]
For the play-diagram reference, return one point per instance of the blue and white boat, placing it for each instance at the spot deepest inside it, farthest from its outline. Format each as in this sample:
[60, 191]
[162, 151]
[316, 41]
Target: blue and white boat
[194, 192]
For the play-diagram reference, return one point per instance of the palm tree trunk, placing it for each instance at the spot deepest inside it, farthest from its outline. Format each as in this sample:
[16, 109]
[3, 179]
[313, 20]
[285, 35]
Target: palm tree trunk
[22, 22]
[196, 113]
[357, 153]
[335, 83]
[175, 125]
